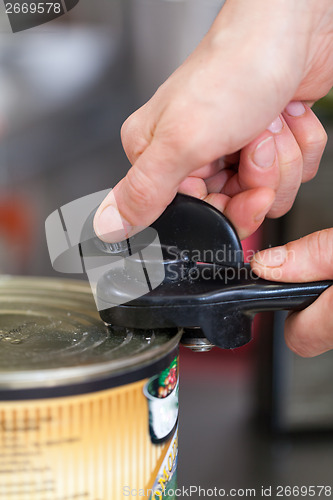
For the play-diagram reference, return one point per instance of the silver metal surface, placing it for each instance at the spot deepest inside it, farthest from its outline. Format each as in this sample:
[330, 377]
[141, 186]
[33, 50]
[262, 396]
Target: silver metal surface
[51, 333]
[198, 345]
[193, 338]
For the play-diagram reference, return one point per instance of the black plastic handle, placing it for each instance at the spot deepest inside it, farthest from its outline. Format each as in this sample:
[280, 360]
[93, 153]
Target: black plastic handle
[218, 295]
[220, 301]
[236, 299]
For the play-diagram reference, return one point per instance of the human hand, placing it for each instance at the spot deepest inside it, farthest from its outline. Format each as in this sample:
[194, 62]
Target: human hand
[205, 132]
[309, 332]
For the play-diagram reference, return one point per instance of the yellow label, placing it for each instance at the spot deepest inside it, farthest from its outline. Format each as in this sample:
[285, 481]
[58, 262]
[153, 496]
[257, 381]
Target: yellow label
[86, 447]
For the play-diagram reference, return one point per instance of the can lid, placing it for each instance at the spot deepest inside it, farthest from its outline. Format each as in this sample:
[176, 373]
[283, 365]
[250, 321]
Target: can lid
[51, 334]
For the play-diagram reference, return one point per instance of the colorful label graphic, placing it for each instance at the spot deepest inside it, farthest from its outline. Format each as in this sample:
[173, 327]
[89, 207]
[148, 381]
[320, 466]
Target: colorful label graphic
[166, 480]
[161, 392]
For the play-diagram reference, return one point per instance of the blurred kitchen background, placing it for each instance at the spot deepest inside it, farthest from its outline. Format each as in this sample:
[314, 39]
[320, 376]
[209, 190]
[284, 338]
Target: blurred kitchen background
[250, 417]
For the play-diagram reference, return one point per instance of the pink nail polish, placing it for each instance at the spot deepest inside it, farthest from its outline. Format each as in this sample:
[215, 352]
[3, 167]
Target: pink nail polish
[295, 108]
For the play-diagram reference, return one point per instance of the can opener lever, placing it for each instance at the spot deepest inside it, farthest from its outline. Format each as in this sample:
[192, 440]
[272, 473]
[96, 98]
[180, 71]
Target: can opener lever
[206, 289]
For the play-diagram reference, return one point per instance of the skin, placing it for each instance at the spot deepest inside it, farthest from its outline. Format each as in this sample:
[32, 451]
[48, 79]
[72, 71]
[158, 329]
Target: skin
[309, 332]
[206, 128]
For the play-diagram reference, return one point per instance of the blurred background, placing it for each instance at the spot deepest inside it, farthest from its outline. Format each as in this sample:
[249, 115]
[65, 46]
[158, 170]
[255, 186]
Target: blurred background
[254, 416]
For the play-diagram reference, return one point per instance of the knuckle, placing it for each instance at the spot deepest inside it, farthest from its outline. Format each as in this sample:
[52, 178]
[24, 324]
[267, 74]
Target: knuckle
[315, 144]
[132, 137]
[291, 343]
[280, 208]
[141, 191]
[308, 333]
[127, 128]
[284, 200]
[292, 163]
[316, 139]
[296, 336]
[310, 174]
[291, 174]
[320, 246]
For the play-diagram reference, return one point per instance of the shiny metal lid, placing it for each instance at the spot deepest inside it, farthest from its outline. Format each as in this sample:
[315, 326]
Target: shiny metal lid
[51, 334]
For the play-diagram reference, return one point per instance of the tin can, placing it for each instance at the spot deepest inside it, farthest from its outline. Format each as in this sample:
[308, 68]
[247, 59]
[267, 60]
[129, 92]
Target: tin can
[86, 411]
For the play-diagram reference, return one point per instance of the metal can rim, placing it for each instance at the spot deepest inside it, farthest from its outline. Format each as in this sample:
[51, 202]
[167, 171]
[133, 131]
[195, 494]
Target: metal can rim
[49, 378]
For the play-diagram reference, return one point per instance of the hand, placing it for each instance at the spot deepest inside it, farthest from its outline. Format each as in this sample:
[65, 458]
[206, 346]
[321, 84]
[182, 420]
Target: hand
[309, 332]
[212, 129]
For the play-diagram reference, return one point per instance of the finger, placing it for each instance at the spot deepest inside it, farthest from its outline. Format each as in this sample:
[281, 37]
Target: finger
[309, 133]
[310, 332]
[217, 182]
[210, 169]
[290, 163]
[194, 186]
[214, 168]
[137, 133]
[219, 172]
[245, 210]
[258, 166]
[307, 259]
[140, 197]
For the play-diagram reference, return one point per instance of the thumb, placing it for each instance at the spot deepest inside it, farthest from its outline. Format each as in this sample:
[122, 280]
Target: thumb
[140, 198]
[307, 259]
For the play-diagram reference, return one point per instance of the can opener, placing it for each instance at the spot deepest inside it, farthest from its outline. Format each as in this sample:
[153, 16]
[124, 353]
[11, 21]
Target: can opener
[207, 289]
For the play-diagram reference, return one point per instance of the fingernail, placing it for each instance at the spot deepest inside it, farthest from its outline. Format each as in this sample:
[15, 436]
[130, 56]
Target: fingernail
[276, 126]
[264, 154]
[110, 226]
[295, 108]
[273, 257]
